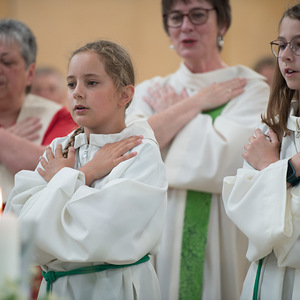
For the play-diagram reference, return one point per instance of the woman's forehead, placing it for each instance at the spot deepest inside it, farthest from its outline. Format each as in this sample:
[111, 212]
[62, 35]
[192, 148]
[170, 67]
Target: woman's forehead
[9, 41]
[190, 1]
[10, 45]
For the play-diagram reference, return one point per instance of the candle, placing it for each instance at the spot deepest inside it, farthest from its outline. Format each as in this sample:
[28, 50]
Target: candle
[9, 246]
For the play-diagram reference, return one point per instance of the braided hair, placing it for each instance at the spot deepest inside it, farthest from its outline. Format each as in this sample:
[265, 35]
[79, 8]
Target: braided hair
[72, 141]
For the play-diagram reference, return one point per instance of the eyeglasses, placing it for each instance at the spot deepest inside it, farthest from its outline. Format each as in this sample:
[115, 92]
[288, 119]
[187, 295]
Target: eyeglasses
[197, 16]
[279, 46]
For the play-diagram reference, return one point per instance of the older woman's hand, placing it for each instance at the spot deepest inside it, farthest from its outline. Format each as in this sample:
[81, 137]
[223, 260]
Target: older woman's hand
[219, 93]
[27, 129]
[262, 150]
[162, 97]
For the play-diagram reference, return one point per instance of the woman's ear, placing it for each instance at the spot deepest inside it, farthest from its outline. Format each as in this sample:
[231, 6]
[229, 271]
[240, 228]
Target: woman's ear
[222, 30]
[126, 95]
[30, 73]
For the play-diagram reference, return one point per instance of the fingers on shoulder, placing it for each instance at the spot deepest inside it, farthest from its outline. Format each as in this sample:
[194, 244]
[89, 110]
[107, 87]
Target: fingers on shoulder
[273, 136]
[128, 144]
[41, 172]
[49, 153]
[58, 151]
[71, 153]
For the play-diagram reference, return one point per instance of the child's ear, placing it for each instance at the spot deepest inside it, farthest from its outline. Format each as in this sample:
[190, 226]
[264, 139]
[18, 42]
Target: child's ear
[126, 95]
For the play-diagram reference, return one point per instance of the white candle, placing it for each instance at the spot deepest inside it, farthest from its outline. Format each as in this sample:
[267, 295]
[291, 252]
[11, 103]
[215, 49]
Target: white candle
[9, 246]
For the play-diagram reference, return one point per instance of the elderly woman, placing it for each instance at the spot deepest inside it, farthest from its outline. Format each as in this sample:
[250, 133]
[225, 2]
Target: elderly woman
[202, 116]
[27, 122]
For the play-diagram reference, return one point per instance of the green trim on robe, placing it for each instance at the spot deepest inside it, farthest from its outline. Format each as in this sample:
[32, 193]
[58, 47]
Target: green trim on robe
[194, 236]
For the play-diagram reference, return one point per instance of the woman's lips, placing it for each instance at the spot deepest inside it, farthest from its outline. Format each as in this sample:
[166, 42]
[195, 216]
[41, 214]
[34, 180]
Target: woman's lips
[188, 42]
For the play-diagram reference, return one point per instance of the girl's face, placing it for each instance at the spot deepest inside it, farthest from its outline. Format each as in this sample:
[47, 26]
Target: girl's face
[195, 42]
[93, 100]
[289, 63]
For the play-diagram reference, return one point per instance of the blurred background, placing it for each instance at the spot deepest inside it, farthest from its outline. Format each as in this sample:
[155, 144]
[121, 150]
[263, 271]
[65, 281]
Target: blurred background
[60, 26]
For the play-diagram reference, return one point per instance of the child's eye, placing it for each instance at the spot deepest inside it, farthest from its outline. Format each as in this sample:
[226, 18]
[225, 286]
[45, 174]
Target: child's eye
[282, 46]
[71, 85]
[92, 82]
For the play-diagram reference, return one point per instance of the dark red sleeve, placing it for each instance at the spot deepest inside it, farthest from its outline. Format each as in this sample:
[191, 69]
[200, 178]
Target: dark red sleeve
[61, 125]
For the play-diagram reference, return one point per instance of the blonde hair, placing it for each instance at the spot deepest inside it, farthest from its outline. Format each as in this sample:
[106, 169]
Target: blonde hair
[117, 64]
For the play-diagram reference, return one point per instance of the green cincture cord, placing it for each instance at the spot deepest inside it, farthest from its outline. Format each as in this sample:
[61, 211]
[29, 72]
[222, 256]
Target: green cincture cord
[51, 276]
[257, 278]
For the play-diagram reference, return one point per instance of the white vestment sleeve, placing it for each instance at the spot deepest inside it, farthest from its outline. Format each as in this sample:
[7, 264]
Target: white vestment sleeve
[118, 221]
[204, 152]
[288, 249]
[258, 203]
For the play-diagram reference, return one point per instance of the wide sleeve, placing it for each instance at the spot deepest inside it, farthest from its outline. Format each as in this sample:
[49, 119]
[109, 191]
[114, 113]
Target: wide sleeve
[204, 152]
[262, 207]
[118, 221]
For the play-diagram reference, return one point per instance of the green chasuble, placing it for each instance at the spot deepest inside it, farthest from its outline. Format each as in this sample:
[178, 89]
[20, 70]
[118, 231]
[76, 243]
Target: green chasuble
[194, 238]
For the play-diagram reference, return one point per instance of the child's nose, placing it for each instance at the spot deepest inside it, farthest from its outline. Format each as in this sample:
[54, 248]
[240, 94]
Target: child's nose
[78, 92]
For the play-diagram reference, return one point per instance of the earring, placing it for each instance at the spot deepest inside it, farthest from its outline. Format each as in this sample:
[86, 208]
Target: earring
[220, 41]
[172, 47]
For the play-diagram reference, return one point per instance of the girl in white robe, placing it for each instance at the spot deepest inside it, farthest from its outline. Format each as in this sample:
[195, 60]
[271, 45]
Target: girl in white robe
[263, 198]
[99, 209]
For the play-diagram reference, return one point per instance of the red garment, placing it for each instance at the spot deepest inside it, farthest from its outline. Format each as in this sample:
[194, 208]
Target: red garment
[61, 125]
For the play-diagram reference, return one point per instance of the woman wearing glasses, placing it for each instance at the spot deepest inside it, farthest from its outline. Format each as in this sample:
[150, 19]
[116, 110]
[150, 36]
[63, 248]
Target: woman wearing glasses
[201, 116]
[263, 198]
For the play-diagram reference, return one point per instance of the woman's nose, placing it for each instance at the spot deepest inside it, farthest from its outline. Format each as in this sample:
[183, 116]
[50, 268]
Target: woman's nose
[186, 23]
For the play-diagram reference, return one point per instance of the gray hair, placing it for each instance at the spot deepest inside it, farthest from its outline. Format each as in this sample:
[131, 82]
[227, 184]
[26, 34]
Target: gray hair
[16, 32]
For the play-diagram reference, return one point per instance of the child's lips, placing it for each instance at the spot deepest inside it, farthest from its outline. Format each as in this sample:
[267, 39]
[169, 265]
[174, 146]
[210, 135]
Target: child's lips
[80, 108]
[289, 71]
